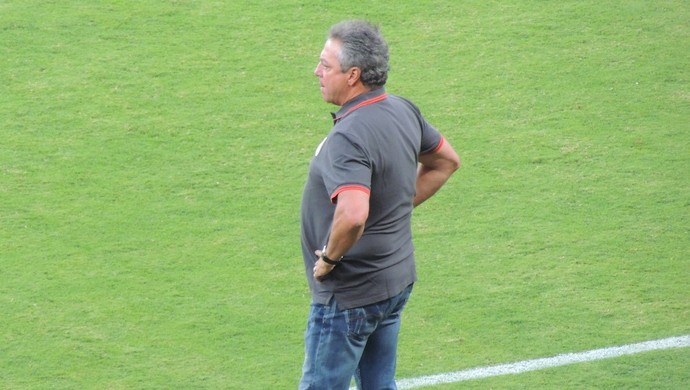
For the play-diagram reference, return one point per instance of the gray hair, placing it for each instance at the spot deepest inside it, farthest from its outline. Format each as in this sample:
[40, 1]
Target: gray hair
[363, 47]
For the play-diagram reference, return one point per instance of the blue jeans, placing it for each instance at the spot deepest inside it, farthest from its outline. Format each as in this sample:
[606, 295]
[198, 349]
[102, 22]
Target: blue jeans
[360, 342]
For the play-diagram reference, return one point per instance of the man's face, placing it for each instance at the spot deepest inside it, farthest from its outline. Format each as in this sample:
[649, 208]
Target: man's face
[333, 81]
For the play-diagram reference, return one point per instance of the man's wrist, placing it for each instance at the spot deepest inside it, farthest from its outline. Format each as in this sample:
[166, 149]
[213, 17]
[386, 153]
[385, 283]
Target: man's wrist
[327, 259]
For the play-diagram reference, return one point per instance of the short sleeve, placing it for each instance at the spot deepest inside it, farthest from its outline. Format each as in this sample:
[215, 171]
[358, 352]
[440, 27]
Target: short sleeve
[432, 140]
[348, 166]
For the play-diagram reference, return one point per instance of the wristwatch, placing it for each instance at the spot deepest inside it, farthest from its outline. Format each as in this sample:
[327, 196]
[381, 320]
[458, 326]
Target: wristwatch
[328, 260]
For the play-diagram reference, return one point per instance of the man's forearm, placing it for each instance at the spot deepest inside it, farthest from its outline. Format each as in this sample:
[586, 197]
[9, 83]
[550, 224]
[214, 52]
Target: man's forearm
[348, 222]
[342, 238]
[433, 172]
[429, 181]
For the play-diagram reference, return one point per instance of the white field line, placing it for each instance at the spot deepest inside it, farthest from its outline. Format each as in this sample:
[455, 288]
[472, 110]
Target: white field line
[539, 364]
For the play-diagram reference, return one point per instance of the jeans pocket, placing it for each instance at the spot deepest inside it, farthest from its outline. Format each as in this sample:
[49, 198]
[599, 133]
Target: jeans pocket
[362, 322]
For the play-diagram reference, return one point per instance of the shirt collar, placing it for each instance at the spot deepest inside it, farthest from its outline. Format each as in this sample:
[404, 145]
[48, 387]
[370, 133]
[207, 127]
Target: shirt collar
[362, 100]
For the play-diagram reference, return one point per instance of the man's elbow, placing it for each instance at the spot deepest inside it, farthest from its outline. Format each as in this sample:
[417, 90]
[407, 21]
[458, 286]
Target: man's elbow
[455, 163]
[356, 219]
[451, 163]
[353, 209]
[446, 160]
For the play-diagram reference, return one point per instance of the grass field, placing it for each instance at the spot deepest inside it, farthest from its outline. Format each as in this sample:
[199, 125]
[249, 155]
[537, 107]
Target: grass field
[153, 153]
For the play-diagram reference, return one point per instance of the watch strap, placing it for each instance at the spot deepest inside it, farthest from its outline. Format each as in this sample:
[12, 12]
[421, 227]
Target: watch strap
[328, 260]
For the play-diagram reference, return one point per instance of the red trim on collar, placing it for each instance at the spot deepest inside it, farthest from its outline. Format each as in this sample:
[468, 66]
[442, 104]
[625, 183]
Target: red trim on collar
[367, 102]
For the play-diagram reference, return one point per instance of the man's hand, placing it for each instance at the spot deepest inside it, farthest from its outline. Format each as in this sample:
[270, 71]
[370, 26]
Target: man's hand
[321, 268]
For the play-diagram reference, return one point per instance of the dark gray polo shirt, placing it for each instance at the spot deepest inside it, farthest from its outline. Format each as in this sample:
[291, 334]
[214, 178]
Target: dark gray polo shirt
[373, 147]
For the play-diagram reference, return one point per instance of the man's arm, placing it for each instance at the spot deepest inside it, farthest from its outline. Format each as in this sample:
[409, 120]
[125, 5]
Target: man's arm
[434, 170]
[351, 213]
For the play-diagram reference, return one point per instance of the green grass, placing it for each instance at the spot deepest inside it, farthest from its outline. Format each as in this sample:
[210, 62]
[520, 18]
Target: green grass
[153, 156]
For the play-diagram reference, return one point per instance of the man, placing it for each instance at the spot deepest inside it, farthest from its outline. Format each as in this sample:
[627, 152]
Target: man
[380, 160]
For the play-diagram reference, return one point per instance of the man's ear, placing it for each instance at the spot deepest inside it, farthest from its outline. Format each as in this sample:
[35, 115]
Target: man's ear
[355, 75]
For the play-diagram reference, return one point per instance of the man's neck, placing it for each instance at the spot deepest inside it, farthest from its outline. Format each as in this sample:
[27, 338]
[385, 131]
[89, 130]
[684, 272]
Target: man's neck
[357, 90]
